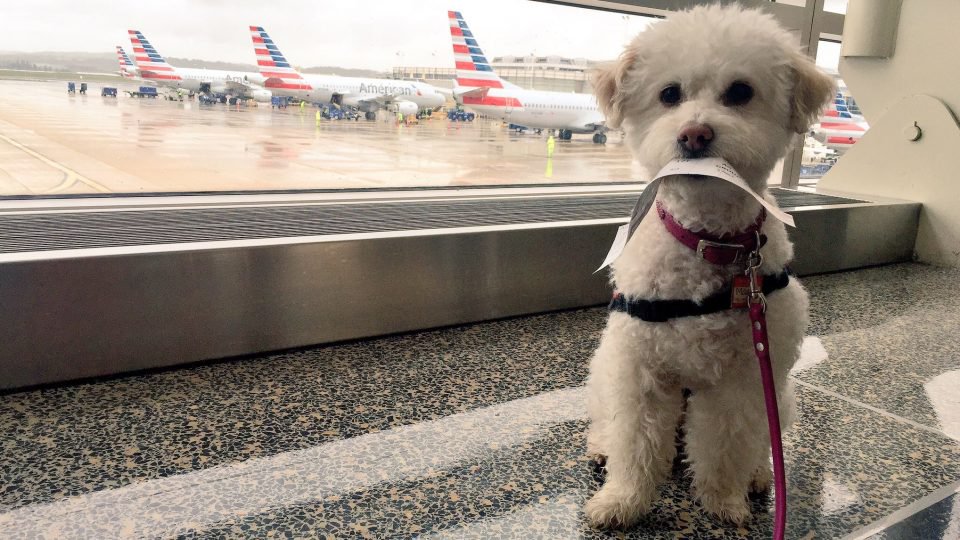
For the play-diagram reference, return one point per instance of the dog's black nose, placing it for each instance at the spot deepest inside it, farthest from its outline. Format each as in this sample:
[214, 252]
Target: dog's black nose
[695, 138]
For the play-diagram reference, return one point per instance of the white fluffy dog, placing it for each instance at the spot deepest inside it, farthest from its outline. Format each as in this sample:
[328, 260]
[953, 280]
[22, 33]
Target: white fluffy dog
[720, 82]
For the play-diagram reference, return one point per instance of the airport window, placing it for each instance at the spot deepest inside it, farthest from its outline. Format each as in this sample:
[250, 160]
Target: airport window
[160, 109]
[835, 6]
[840, 127]
[265, 109]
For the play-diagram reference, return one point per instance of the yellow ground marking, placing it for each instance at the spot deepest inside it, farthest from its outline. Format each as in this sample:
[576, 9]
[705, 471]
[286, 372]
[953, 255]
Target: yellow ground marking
[70, 177]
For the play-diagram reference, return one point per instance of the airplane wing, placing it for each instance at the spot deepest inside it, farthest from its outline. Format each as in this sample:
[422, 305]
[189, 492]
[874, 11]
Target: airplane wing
[594, 122]
[382, 99]
[234, 87]
[241, 87]
[247, 89]
[473, 92]
[459, 93]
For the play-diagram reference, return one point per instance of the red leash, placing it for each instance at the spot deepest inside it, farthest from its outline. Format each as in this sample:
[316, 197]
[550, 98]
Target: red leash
[729, 249]
[761, 346]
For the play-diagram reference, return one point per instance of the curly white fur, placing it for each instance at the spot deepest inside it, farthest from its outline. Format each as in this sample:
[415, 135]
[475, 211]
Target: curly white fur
[639, 370]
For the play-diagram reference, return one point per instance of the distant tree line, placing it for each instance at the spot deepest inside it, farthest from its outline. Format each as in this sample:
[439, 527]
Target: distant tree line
[106, 62]
[24, 65]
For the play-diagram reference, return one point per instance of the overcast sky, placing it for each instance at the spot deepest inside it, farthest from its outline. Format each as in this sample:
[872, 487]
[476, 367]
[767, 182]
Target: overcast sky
[373, 34]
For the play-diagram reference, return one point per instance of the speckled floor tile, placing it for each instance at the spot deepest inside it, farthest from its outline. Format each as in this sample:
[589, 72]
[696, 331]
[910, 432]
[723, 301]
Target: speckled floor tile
[845, 471]
[510, 470]
[471, 432]
[938, 521]
[892, 335]
[72, 440]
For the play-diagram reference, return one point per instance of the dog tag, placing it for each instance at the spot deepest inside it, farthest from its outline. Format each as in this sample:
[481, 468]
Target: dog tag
[740, 291]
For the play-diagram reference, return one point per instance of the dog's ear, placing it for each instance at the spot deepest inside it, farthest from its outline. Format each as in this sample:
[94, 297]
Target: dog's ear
[608, 86]
[812, 89]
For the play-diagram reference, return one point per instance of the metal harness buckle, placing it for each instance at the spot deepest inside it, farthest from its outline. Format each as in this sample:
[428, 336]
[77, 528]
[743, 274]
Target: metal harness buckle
[754, 261]
[704, 244]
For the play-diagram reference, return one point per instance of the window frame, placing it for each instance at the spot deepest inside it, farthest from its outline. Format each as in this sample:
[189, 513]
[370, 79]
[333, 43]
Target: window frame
[810, 20]
[84, 312]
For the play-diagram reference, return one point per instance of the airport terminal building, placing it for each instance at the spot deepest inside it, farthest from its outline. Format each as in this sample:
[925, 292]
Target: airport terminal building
[551, 73]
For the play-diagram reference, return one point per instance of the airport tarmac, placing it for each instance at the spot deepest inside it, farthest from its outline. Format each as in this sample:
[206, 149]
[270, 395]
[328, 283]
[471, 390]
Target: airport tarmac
[54, 143]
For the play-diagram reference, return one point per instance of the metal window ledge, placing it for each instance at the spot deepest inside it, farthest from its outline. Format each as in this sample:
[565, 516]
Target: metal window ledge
[102, 293]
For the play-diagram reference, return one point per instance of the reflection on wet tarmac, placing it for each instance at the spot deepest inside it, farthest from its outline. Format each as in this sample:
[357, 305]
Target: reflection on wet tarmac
[147, 145]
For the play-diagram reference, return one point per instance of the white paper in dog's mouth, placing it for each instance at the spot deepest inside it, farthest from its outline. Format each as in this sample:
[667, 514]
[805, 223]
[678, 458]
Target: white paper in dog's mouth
[711, 167]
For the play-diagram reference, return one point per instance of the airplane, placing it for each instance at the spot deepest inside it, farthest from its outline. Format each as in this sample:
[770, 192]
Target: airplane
[841, 124]
[368, 95]
[478, 87]
[815, 151]
[154, 69]
[127, 69]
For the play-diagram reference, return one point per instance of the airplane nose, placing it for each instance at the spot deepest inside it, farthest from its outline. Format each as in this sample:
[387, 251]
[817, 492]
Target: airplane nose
[695, 137]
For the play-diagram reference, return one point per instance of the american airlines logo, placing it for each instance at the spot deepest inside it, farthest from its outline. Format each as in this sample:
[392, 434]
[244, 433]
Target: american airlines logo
[384, 89]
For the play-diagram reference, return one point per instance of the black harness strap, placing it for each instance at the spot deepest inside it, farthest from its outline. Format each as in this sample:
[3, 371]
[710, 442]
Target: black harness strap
[664, 310]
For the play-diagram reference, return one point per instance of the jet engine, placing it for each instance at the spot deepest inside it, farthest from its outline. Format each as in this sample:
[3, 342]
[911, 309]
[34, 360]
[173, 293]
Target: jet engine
[261, 95]
[406, 107]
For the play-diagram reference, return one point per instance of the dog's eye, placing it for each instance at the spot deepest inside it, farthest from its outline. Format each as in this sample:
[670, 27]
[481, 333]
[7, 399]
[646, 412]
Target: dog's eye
[671, 95]
[739, 93]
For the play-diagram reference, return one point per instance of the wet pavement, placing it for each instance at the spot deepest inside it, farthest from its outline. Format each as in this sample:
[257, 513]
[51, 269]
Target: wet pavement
[55, 143]
[478, 432]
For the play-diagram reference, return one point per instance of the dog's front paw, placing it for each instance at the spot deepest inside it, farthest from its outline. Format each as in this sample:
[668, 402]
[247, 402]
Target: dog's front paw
[761, 480]
[612, 507]
[596, 452]
[599, 460]
[732, 508]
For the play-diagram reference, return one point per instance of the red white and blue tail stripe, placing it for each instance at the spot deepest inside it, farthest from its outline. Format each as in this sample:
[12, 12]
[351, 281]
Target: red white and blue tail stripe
[840, 124]
[473, 68]
[127, 69]
[152, 66]
[276, 70]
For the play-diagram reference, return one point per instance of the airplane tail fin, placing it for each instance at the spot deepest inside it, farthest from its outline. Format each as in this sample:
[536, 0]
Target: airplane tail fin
[276, 70]
[473, 69]
[127, 69]
[152, 66]
[475, 76]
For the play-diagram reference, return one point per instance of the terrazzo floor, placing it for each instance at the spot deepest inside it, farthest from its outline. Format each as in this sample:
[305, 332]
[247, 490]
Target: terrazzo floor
[478, 432]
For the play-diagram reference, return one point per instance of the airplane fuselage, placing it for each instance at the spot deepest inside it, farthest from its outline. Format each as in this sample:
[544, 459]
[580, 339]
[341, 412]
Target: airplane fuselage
[214, 80]
[540, 109]
[356, 91]
[192, 78]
